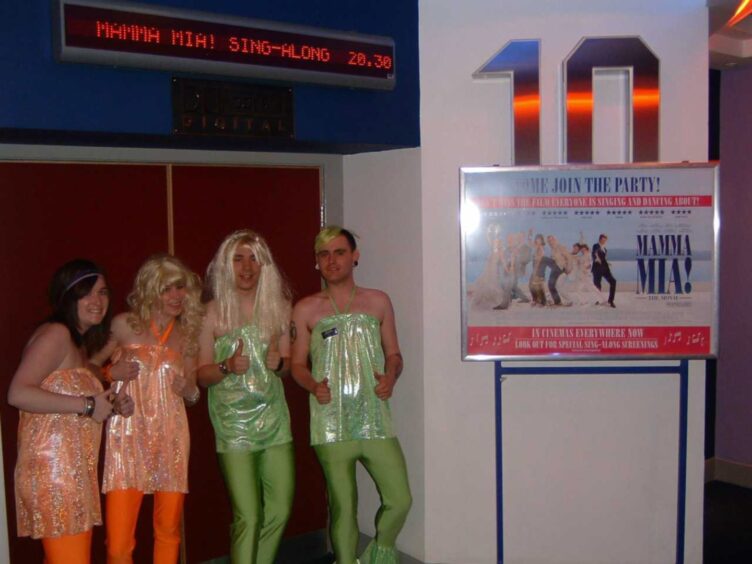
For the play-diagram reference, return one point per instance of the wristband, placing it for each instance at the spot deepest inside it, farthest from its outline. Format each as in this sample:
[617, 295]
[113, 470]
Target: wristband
[90, 404]
[223, 368]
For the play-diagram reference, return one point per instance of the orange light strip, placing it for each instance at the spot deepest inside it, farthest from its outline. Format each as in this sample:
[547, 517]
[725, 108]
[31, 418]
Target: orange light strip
[641, 98]
[646, 97]
[577, 102]
[742, 11]
[526, 105]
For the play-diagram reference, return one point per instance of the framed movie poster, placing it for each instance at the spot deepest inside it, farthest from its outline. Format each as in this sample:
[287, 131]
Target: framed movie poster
[589, 261]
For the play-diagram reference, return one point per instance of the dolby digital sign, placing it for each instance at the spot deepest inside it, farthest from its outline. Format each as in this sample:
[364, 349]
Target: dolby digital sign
[137, 35]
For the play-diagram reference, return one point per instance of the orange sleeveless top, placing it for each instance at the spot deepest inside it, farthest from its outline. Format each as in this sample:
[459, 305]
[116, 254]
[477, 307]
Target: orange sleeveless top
[56, 471]
[148, 451]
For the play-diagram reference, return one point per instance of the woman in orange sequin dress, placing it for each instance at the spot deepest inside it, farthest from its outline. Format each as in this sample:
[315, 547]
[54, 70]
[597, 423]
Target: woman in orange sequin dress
[62, 406]
[148, 452]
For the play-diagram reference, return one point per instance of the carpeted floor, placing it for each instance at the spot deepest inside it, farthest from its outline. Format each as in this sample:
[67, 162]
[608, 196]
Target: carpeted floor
[728, 524]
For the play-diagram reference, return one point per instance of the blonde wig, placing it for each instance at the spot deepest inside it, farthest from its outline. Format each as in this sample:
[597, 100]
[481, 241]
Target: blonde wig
[154, 276]
[272, 304]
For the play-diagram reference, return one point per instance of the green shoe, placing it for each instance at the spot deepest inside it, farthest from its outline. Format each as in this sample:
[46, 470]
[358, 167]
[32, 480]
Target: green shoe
[378, 554]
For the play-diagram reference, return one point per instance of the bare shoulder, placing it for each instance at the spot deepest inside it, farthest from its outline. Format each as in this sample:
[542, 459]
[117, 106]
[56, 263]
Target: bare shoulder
[374, 297]
[51, 333]
[309, 303]
[210, 319]
[120, 324]
[309, 310]
[52, 341]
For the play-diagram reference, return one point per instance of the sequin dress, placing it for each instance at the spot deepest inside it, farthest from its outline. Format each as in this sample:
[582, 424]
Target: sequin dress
[346, 349]
[56, 471]
[248, 411]
[148, 451]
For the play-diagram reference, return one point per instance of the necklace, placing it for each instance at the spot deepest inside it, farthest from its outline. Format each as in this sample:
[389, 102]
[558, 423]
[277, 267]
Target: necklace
[162, 337]
[347, 306]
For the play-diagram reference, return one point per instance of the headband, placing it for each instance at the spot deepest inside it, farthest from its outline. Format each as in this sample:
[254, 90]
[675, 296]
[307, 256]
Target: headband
[78, 279]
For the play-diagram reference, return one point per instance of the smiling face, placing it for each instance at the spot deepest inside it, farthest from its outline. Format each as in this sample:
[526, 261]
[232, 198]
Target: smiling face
[336, 259]
[172, 299]
[246, 268]
[91, 308]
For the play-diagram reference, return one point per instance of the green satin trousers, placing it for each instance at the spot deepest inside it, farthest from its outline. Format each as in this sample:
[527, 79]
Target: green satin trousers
[384, 461]
[261, 486]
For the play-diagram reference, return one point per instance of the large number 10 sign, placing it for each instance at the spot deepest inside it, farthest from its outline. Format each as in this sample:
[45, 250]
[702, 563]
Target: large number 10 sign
[520, 61]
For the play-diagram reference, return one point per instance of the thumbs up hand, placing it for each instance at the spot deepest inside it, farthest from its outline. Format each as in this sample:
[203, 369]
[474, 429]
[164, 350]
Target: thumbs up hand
[322, 392]
[238, 363]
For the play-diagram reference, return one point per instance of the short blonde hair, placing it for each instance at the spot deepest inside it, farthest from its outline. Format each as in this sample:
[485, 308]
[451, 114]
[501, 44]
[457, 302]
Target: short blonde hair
[154, 276]
[332, 232]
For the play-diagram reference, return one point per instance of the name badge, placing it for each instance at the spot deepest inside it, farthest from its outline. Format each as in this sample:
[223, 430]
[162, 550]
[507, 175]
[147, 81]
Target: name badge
[329, 333]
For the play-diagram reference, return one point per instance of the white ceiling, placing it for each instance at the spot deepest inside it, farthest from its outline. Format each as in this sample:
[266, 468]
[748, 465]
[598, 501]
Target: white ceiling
[729, 47]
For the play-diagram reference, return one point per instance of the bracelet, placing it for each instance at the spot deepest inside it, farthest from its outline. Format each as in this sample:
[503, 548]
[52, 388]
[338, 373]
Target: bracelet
[223, 368]
[89, 407]
[193, 400]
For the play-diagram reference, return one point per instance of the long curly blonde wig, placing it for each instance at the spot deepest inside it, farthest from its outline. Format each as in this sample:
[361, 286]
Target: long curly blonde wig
[154, 276]
[272, 304]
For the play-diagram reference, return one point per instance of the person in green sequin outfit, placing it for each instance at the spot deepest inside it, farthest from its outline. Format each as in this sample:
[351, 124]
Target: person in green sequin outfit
[244, 348]
[350, 334]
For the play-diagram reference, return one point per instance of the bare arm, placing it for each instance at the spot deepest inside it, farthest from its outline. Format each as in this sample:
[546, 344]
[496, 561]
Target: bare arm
[184, 384]
[47, 352]
[300, 340]
[392, 355]
[278, 354]
[119, 368]
[208, 372]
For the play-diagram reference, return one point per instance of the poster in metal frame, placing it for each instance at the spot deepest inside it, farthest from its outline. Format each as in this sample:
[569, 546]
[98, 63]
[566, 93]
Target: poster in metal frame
[536, 242]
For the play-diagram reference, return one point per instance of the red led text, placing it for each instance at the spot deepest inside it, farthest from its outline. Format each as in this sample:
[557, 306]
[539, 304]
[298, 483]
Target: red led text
[264, 47]
[188, 38]
[127, 32]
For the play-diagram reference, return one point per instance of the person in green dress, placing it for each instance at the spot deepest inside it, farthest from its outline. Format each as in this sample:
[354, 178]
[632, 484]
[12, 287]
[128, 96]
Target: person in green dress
[350, 334]
[244, 348]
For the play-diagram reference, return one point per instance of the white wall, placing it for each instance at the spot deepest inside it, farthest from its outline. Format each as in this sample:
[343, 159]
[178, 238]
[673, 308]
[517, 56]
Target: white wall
[463, 123]
[382, 205]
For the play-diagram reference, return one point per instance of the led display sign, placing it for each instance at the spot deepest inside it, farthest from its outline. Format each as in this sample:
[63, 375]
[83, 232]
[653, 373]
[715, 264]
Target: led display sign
[123, 34]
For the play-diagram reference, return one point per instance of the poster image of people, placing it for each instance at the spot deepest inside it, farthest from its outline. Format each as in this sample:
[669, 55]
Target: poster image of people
[589, 261]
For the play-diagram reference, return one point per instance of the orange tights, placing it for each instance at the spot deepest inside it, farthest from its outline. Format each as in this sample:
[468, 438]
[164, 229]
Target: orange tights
[122, 507]
[68, 549]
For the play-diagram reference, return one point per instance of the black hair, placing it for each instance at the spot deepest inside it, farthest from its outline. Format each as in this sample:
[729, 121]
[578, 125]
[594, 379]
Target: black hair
[350, 238]
[69, 284]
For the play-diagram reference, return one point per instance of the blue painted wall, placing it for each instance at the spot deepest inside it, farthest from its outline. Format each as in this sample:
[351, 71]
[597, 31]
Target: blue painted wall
[39, 94]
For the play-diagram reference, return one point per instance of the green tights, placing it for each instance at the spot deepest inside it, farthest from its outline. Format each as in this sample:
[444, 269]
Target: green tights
[261, 486]
[384, 461]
